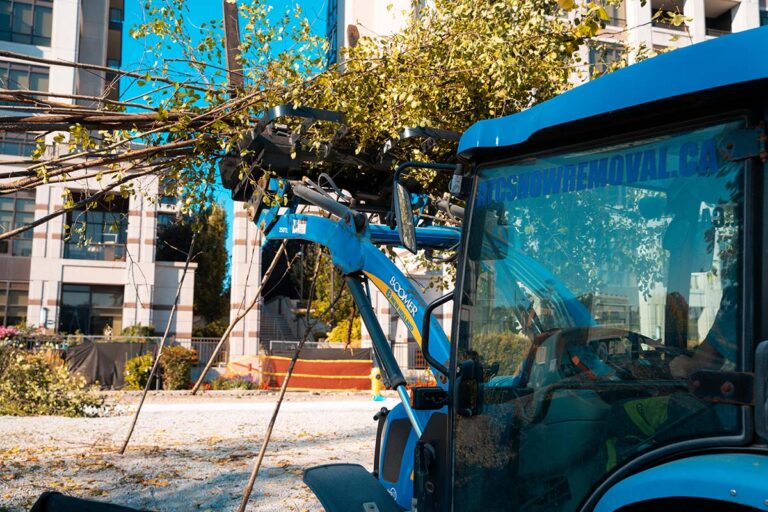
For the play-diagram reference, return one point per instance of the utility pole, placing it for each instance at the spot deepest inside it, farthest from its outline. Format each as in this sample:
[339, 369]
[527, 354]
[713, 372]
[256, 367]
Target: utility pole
[232, 46]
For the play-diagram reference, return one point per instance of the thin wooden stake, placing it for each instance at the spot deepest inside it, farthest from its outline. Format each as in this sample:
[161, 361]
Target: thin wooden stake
[155, 365]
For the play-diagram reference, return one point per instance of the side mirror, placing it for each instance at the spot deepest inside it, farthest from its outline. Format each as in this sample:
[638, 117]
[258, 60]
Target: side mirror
[404, 217]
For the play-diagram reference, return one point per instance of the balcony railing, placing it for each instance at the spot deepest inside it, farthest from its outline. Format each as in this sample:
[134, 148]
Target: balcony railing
[98, 252]
[669, 26]
[715, 32]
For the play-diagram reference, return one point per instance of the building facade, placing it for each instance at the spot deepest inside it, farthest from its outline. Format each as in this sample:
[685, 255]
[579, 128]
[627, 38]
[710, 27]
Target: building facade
[631, 23]
[635, 24]
[94, 270]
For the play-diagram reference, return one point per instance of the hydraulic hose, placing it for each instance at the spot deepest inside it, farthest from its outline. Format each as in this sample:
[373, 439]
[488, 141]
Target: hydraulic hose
[328, 204]
[451, 209]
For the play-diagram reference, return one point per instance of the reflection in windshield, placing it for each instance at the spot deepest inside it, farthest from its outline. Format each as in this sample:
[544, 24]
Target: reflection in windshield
[596, 283]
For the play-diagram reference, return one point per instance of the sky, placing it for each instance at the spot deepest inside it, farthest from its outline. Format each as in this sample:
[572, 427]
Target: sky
[135, 57]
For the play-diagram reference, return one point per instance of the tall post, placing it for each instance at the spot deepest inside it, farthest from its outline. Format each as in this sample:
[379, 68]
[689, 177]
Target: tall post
[232, 46]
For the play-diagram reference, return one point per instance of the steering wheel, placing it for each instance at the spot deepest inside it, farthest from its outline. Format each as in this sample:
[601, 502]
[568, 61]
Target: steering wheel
[586, 352]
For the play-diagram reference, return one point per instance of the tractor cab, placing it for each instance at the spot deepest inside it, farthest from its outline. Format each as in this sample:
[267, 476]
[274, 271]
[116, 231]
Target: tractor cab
[611, 292]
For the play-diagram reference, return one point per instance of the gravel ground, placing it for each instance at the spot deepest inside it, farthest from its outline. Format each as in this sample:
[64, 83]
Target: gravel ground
[187, 453]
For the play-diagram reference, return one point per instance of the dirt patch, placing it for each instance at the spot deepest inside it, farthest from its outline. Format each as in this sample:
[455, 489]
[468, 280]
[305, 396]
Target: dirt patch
[188, 453]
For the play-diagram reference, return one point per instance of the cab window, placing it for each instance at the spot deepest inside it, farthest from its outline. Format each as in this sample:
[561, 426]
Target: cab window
[597, 284]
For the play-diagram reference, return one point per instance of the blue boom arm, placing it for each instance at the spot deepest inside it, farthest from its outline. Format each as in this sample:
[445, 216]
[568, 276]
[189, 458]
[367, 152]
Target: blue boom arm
[356, 252]
[353, 246]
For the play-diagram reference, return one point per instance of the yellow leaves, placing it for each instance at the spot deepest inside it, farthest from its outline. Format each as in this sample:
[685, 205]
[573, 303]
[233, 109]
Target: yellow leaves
[10, 452]
[155, 482]
[678, 19]
[674, 18]
[567, 5]
[587, 29]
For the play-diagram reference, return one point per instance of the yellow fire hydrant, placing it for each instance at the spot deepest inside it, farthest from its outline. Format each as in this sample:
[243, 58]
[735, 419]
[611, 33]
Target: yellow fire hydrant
[377, 384]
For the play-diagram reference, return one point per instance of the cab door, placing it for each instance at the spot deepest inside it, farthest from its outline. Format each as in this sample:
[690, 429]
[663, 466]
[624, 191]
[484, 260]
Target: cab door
[598, 285]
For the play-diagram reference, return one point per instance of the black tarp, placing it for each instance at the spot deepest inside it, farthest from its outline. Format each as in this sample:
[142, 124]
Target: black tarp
[104, 362]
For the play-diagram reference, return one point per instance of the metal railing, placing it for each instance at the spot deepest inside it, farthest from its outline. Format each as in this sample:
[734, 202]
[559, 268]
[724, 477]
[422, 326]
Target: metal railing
[409, 356]
[204, 348]
[716, 32]
[63, 341]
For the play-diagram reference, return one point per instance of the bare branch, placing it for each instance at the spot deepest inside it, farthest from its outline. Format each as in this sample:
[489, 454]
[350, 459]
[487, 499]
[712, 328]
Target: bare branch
[50, 94]
[97, 162]
[96, 67]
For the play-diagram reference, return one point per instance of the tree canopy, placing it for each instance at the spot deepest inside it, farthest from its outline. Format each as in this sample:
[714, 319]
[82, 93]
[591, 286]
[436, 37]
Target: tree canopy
[455, 63]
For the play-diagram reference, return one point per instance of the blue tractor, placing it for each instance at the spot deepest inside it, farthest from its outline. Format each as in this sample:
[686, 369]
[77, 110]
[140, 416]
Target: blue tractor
[610, 301]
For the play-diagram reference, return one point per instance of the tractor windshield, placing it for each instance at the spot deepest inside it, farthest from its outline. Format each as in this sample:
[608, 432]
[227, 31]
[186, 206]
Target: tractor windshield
[596, 284]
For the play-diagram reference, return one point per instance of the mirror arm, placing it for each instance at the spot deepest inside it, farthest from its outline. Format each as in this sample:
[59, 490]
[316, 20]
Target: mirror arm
[437, 365]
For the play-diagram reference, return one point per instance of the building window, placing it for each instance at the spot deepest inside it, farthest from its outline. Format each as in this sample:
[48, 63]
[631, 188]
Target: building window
[763, 18]
[113, 63]
[719, 25]
[23, 77]
[17, 210]
[13, 303]
[26, 21]
[91, 309]
[332, 33]
[167, 191]
[18, 144]
[97, 233]
[617, 14]
[603, 58]
[174, 236]
[164, 220]
[115, 18]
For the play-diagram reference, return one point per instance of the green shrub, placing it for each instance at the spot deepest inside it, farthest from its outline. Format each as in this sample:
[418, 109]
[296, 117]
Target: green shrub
[235, 383]
[137, 371]
[176, 363]
[138, 330]
[213, 329]
[506, 348]
[38, 383]
[135, 333]
[339, 333]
